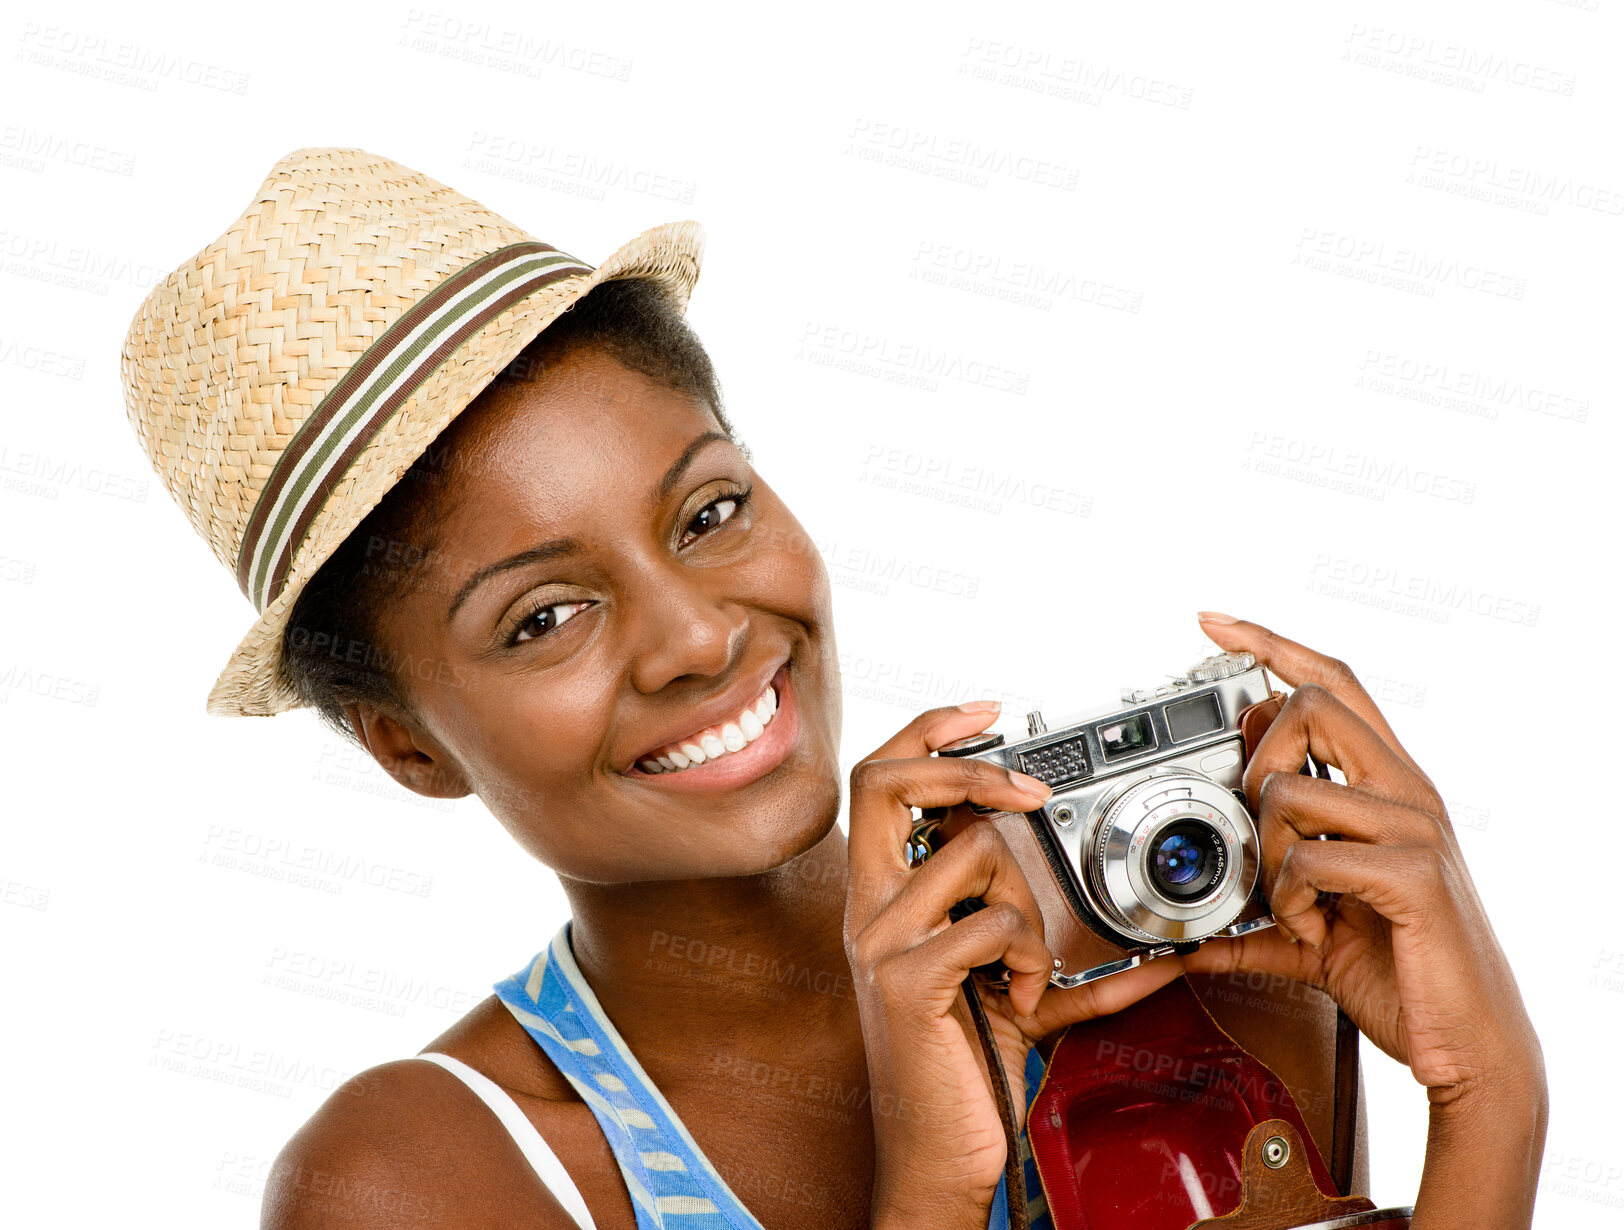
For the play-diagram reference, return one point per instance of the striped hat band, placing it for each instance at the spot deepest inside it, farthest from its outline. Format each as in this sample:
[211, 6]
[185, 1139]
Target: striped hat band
[383, 379]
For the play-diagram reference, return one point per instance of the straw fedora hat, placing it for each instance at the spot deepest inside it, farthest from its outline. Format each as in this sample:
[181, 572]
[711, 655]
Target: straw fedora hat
[284, 378]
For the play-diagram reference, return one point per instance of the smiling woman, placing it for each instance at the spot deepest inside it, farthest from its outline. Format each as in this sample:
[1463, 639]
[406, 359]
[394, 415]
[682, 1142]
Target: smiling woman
[598, 579]
[499, 531]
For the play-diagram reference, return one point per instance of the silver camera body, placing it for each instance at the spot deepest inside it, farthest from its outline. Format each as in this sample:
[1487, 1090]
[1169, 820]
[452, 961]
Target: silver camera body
[1147, 830]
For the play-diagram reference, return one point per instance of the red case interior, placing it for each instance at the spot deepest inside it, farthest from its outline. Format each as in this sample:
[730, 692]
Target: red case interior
[1141, 1118]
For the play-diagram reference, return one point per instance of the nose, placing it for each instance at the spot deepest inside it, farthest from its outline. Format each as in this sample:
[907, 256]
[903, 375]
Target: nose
[684, 629]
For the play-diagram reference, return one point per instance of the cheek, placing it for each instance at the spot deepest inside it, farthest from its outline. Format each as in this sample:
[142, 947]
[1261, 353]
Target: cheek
[530, 750]
[793, 566]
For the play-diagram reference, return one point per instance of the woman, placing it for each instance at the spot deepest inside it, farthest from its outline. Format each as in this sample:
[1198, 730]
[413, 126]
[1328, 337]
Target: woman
[566, 590]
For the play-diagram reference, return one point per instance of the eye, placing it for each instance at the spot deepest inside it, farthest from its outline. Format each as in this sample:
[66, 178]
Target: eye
[546, 618]
[713, 515]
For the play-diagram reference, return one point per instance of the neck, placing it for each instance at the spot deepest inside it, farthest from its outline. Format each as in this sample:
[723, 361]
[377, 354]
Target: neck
[678, 966]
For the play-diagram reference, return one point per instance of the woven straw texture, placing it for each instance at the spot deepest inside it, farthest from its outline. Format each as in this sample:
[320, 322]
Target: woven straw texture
[230, 355]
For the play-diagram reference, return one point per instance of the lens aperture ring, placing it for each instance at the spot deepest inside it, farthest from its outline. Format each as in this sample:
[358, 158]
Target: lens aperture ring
[1219, 840]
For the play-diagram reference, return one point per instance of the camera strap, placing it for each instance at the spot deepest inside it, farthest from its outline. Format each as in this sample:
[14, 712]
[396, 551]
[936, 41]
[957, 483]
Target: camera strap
[1014, 1177]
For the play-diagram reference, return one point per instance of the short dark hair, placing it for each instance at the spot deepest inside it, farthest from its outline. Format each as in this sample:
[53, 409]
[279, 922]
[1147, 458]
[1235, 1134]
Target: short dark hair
[332, 650]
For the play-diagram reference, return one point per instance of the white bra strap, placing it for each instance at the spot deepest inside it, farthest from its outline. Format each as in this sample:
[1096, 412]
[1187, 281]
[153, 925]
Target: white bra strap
[537, 1151]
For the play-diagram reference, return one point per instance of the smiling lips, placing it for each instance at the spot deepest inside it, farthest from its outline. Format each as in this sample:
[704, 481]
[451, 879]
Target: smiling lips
[715, 742]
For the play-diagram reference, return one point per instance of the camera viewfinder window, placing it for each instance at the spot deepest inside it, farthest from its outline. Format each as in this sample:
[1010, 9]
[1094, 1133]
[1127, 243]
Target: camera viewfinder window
[1197, 716]
[1126, 737]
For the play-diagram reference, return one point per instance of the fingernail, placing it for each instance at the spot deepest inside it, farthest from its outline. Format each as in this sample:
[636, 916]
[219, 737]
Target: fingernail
[1215, 617]
[981, 706]
[1029, 784]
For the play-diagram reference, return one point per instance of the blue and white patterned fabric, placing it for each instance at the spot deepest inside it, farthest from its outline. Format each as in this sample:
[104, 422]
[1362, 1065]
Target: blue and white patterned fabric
[672, 1184]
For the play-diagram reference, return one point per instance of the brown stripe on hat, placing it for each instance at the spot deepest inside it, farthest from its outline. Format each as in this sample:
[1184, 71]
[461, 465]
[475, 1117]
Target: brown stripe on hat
[306, 471]
[330, 477]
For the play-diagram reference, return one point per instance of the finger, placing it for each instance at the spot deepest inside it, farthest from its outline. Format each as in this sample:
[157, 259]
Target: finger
[1404, 884]
[918, 739]
[978, 863]
[930, 973]
[1270, 951]
[1062, 1006]
[1299, 666]
[1315, 722]
[1292, 807]
[883, 794]
[936, 727]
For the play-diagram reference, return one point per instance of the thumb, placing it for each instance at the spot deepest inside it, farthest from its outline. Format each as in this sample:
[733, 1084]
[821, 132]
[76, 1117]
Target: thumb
[1259, 952]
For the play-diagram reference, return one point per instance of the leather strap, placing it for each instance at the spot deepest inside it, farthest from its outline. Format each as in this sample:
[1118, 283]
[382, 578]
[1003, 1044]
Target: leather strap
[1345, 1128]
[1014, 1173]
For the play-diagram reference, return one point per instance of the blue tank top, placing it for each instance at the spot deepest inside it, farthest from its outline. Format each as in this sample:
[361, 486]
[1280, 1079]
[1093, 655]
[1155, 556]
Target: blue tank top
[672, 1184]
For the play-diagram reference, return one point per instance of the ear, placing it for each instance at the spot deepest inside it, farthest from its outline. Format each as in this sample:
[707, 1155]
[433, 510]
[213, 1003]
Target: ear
[407, 754]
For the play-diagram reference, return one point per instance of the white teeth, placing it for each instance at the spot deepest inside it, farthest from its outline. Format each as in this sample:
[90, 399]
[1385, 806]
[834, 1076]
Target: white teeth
[708, 744]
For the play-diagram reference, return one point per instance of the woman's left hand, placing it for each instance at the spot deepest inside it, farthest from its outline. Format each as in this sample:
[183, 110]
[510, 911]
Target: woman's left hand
[1404, 945]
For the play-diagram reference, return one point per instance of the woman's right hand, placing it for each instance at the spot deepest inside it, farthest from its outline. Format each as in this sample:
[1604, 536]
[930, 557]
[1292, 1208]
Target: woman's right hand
[939, 1141]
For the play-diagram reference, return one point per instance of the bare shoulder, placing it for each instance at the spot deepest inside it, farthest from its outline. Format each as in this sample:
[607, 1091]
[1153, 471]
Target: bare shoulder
[407, 1143]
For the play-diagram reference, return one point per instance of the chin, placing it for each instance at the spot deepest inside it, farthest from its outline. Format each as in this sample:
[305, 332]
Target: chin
[815, 809]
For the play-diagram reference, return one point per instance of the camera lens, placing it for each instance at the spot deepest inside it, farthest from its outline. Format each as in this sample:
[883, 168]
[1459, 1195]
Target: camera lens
[1188, 860]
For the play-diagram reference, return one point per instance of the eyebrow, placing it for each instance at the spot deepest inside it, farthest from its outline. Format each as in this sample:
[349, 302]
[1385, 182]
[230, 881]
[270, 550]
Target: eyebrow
[559, 548]
[674, 475]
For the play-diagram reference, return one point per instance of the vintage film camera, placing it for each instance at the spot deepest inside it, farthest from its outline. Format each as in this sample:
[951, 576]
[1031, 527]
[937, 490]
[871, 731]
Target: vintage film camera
[1146, 846]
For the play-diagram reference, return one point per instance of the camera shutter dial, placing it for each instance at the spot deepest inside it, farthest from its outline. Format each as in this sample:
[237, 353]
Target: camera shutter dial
[1220, 666]
[970, 745]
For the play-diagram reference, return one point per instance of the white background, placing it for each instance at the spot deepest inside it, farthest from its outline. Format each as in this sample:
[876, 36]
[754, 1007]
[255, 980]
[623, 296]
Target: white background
[1322, 330]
